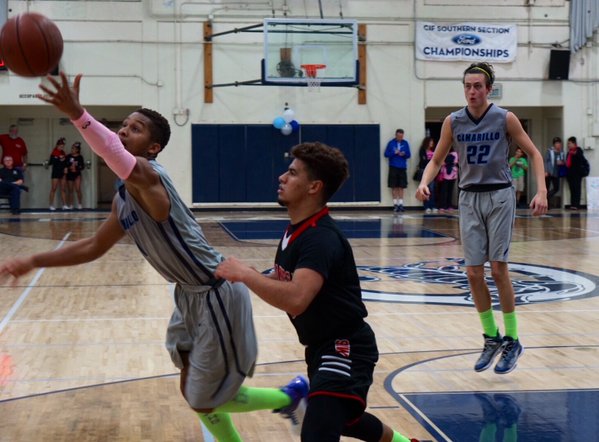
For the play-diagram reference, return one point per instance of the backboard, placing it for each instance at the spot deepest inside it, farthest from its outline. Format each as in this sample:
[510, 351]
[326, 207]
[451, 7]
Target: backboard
[293, 47]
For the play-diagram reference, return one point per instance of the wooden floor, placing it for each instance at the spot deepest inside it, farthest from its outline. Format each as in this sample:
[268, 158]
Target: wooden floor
[82, 355]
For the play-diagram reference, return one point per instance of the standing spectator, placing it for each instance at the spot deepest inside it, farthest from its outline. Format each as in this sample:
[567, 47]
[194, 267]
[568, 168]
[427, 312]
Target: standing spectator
[58, 163]
[75, 164]
[481, 133]
[14, 146]
[574, 175]
[11, 184]
[519, 166]
[555, 168]
[448, 174]
[398, 152]
[425, 153]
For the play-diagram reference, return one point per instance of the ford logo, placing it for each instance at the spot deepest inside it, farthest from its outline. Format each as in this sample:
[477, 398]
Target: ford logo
[466, 39]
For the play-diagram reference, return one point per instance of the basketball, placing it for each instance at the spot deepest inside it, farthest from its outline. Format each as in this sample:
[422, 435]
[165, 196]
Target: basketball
[30, 45]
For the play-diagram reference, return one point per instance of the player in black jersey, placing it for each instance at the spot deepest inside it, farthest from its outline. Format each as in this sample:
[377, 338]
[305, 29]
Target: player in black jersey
[316, 282]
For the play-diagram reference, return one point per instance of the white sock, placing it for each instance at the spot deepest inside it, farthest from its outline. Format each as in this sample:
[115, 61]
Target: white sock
[401, 202]
[395, 202]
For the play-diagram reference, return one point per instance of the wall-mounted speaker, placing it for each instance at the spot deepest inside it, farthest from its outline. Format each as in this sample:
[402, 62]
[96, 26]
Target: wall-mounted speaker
[559, 64]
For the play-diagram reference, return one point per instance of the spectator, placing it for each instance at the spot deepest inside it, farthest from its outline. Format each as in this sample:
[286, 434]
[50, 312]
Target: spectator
[519, 166]
[555, 168]
[75, 164]
[398, 152]
[574, 175]
[448, 174]
[425, 153]
[58, 163]
[14, 146]
[11, 184]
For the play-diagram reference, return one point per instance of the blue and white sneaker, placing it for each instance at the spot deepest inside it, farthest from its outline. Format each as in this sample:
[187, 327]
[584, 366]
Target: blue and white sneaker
[512, 349]
[491, 349]
[297, 390]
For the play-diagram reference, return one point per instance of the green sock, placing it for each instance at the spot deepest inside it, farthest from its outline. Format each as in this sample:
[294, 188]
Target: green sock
[510, 434]
[488, 432]
[488, 321]
[511, 324]
[399, 437]
[220, 426]
[252, 398]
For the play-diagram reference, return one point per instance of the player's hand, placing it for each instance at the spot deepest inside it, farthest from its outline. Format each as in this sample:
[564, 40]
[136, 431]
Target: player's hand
[538, 205]
[423, 193]
[232, 270]
[64, 96]
[15, 269]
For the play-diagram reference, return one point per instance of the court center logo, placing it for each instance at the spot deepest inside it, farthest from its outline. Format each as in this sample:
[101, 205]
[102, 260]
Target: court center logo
[445, 282]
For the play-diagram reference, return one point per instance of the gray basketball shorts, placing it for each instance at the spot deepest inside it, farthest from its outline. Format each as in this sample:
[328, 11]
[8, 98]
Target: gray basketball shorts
[486, 224]
[216, 327]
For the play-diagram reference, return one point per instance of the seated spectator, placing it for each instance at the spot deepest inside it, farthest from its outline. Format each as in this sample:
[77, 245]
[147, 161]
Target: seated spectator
[11, 184]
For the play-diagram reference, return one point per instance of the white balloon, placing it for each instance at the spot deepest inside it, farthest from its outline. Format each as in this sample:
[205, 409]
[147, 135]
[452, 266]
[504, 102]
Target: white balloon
[288, 115]
[287, 129]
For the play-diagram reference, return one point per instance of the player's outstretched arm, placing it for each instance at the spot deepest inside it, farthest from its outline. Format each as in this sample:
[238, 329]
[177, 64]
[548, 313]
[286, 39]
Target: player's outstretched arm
[79, 252]
[292, 296]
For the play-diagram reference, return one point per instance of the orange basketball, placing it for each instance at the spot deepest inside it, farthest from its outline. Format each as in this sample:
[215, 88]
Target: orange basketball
[30, 45]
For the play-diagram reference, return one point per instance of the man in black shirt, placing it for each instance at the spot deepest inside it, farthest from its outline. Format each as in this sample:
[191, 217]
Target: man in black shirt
[316, 282]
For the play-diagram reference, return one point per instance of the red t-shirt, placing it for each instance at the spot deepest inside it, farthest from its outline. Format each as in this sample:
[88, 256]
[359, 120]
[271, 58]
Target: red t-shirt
[13, 147]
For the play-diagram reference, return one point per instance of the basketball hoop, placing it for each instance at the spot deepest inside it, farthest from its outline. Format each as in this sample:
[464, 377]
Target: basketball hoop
[312, 80]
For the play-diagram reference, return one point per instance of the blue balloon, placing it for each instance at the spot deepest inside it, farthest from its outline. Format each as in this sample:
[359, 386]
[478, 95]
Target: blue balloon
[279, 122]
[294, 125]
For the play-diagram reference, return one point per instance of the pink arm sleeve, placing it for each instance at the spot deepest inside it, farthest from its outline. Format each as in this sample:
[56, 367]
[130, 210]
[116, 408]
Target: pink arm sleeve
[106, 144]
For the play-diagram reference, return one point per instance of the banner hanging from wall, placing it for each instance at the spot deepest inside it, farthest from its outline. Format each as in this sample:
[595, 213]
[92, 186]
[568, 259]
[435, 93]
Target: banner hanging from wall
[466, 41]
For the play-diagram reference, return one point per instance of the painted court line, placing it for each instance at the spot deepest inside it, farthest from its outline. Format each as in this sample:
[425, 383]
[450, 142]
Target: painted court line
[26, 292]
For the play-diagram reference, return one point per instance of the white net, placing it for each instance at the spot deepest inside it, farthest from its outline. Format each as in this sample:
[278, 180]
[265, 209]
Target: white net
[313, 84]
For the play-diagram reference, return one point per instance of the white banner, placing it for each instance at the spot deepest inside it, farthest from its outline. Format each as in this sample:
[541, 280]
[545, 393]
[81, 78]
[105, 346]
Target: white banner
[466, 41]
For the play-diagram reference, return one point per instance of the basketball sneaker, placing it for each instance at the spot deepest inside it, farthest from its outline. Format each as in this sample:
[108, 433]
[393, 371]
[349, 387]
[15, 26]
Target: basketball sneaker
[491, 348]
[297, 390]
[512, 349]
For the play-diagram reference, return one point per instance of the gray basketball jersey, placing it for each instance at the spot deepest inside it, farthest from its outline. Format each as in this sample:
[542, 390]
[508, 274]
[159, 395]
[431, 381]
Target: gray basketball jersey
[176, 247]
[482, 147]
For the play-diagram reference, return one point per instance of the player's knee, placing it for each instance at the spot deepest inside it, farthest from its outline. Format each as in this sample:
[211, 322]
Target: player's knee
[475, 273]
[499, 270]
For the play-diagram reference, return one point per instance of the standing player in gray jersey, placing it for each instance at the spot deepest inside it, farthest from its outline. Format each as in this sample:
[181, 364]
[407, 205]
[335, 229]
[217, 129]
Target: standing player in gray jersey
[211, 334]
[487, 204]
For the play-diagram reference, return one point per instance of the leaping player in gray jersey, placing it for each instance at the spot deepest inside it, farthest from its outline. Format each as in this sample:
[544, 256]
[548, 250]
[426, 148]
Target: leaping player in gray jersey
[211, 335]
[479, 132]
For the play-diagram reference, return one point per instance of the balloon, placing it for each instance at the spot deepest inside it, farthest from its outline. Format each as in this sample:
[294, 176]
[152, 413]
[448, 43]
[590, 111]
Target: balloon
[279, 122]
[287, 129]
[288, 115]
[294, 125]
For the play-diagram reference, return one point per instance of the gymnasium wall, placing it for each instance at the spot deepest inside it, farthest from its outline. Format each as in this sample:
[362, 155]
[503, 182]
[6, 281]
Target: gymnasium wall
[150, 53]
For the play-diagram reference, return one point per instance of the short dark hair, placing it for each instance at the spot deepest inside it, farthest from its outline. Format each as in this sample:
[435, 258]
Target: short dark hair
[573, 139]
[160, 130]
[481, 68]
[556, 140]
[324, 163]
[399, 131]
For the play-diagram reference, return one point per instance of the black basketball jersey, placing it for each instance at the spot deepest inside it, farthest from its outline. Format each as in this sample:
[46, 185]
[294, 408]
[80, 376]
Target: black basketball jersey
[318, 244]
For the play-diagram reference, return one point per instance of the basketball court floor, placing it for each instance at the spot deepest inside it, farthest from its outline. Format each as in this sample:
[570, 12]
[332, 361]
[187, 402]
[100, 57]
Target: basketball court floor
[82, 355]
